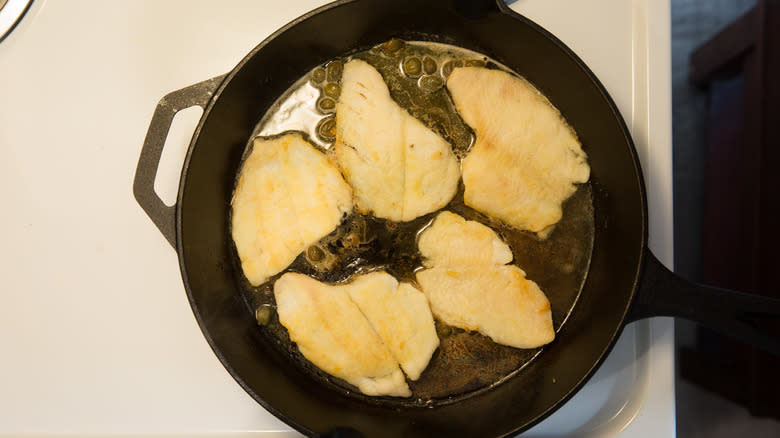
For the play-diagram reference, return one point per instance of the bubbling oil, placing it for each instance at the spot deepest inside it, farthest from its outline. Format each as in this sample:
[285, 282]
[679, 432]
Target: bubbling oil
[465, 363]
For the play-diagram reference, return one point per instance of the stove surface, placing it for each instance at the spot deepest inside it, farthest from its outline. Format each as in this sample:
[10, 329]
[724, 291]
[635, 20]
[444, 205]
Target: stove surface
[97, 332]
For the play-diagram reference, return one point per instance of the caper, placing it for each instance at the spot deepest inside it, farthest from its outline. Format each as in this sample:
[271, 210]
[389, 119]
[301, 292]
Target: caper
[443, 330]
[412, 67]
[326, 129]
[431, 83]
[429, 65]
[326, 104]
[353, 238]
[318, 75]
[263, 315]
[447, 68]
[333, 90]
[315, 253]
[334, 70]
[392, 46]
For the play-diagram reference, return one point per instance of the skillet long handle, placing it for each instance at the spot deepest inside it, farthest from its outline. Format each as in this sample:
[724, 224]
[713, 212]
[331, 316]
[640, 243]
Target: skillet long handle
[145, 173]
[734, 314]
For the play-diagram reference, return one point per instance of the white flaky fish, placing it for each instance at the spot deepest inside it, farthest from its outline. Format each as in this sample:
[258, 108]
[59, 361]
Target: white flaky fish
[470, 285]
[400, 315]
[398, 168]
[360, 331]
[332, 333]
[526, 159]
[289, 195]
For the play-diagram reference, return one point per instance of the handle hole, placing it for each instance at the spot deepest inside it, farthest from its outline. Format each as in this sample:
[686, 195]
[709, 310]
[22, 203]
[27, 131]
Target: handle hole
[166, 184]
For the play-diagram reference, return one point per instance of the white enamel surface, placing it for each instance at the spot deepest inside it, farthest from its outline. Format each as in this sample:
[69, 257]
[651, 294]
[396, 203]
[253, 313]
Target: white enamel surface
[97, 334]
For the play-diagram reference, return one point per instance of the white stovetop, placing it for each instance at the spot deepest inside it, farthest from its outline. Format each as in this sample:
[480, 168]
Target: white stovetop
[96, 332]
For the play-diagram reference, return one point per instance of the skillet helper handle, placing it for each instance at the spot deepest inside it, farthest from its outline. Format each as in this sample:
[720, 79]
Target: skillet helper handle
[733, 314]
[145, 173]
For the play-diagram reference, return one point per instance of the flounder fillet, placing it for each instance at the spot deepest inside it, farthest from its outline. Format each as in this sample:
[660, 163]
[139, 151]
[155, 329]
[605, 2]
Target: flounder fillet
[289, 195]
[333, 334]
[526, 159]
[469, 285]
[360, 331]
[452, 241]
[400, 314]
[398, 168]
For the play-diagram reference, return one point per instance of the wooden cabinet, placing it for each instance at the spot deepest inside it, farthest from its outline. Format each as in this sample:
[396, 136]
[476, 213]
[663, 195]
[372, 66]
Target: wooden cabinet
[740, 67]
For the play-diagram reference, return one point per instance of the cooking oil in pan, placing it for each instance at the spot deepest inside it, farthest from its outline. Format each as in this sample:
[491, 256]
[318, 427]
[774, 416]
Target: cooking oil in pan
[465, 362]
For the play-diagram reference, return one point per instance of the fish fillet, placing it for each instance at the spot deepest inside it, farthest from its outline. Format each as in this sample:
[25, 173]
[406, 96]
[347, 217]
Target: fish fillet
[289, 195]
[398, 168]
[469, 284]
[453, 241]
[333, 334]
[526, 160]
[400, 314]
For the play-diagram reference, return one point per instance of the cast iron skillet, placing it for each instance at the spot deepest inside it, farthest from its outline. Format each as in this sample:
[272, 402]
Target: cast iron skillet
[625, 282]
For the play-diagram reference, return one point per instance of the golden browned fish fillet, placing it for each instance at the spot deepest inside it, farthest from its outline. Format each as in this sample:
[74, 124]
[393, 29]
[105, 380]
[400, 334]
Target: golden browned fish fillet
[332, 333]
[526, 159]
[289, 195]
[469, 285]
[398, 168]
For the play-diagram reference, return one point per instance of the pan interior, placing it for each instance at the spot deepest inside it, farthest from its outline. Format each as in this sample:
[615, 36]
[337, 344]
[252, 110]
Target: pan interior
[466, 363]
